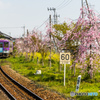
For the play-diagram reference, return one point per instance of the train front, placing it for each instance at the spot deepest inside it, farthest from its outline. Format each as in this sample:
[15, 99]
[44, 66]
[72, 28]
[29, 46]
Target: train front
[4, 48]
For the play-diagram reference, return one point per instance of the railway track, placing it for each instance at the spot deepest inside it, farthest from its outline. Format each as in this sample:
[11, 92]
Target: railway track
[15, 90]
[9, 95]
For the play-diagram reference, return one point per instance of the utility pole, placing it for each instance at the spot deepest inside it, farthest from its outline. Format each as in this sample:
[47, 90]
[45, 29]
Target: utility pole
[24, 30]
[27, 32]
[82, 8]
[55, 22]
[57, 18]
[54, 9]
[55, 15]
[87, 5]
[50, 37]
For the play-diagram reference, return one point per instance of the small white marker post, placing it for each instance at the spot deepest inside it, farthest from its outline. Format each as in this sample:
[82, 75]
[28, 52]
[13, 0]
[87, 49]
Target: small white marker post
[78, 82]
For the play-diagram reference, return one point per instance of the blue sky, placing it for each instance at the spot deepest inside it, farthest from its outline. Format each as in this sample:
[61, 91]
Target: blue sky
[14, 14]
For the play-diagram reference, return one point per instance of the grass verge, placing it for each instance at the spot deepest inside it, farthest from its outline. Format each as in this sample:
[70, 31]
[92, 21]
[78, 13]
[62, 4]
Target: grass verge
[53, 78]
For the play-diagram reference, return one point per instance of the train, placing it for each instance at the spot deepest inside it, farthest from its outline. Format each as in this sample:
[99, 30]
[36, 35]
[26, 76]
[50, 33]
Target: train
[6, 47]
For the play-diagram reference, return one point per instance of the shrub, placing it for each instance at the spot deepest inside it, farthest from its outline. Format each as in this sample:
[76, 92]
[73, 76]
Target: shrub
[21, 59]
[86, 76]
[37, 55]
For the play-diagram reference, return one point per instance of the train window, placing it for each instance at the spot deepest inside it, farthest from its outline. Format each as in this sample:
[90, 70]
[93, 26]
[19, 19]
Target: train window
[6, 44]
[1, 45]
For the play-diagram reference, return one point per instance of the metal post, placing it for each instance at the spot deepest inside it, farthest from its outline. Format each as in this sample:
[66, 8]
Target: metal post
[82, 8]
[24, 31]
[64, 73]
[54, 15]
[50, 37]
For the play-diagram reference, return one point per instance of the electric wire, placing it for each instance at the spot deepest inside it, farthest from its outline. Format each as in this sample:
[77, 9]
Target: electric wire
[67, 3]
[11, 27]
[61, 4]
[43, 23]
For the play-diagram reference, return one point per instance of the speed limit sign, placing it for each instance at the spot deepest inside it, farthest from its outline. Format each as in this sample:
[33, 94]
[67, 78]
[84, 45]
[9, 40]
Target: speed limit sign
[65, 58]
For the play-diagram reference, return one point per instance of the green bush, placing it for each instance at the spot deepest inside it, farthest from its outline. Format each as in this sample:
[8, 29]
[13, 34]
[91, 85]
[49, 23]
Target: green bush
[21, 59]
[48, 77]
[86, 77]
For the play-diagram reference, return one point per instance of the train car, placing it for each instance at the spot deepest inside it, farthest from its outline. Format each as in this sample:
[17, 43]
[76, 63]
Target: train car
[6, 47]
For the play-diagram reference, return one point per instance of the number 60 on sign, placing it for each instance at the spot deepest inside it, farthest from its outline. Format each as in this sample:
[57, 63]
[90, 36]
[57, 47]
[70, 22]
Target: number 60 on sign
[65, 58]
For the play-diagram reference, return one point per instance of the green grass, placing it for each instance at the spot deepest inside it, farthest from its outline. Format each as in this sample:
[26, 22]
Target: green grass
[53, 78]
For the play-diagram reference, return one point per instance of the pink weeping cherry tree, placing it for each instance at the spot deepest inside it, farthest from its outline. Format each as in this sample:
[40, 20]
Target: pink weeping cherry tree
[34, 42]
[19, 44]
[28, 44]
[86, 35]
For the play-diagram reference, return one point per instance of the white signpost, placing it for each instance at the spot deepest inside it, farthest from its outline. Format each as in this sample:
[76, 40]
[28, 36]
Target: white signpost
[78, 82]
[64, 59]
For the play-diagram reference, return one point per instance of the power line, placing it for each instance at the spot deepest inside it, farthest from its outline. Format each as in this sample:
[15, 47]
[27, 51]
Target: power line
[60, 4]
[67, 3]
[14, 28]
[63, 4]
[43, 23]
[11, 27]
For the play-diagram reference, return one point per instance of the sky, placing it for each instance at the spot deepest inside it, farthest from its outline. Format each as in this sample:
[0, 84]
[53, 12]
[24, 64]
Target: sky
[33, 14]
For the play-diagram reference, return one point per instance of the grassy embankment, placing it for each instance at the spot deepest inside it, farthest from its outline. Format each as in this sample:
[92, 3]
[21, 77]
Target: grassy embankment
[53, 78]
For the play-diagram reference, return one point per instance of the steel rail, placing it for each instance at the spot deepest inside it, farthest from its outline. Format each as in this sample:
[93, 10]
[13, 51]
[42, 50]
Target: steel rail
[11, 97]
[22, 87]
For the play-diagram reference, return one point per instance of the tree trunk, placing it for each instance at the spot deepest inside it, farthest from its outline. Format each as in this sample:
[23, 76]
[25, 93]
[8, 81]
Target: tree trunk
[26, 56]
[60, 67]
[14, 55]
[50, 57]
[42, 61]
[29, 57]
[48, 62]
[33, 56]
[37, 60]
[74, 68]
